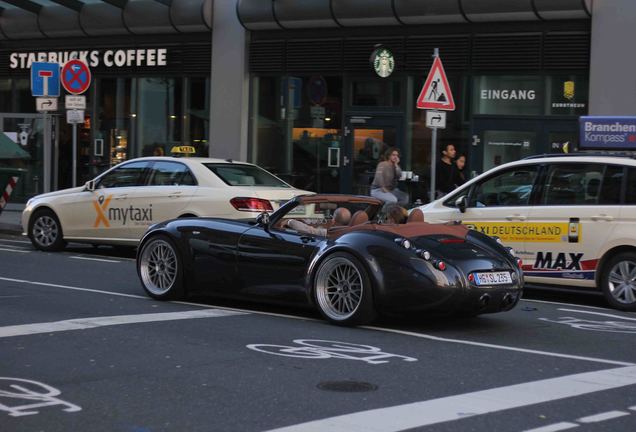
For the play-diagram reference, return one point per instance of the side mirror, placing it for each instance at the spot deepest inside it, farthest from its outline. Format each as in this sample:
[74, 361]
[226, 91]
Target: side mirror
[461, 203]
[263, 219]
[89, 185]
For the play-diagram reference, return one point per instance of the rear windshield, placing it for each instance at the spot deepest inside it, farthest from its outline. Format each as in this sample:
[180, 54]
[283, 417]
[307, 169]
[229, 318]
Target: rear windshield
[245, 175]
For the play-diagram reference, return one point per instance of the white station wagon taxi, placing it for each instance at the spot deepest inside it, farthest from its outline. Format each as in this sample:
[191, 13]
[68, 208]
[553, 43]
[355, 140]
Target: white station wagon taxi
[570, 218]
[118, 206]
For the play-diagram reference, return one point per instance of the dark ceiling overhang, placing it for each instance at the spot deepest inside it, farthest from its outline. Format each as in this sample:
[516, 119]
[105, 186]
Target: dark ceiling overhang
[258, 15]
[68, 18]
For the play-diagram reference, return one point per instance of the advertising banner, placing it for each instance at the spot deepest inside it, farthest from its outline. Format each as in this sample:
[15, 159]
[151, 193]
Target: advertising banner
[607, 133]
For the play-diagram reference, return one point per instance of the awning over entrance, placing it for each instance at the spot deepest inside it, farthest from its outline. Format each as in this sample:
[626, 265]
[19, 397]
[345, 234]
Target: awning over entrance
[10, 150]
[38, 19]
[295, 14]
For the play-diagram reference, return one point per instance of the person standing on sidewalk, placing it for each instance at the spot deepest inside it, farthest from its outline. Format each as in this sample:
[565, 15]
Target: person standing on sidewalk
[387, 173]
[445, 170]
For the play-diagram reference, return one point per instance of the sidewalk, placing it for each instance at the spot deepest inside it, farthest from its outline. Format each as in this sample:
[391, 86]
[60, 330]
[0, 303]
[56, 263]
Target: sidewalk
[10, 218]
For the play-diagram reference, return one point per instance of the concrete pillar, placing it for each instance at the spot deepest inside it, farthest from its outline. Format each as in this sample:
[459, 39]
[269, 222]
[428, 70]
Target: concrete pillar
[229, 84]
[612, 59]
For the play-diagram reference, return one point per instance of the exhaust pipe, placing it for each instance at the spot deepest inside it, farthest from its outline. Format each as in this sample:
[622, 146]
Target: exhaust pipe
[483, 301]
[507, 301]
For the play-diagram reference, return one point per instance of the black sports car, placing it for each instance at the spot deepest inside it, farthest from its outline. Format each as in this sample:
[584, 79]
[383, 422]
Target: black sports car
[349, 272]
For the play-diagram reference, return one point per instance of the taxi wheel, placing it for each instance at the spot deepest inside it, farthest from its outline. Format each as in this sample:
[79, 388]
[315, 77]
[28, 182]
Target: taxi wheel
[342, 290]
[160, 269]
[618, 281]
[45, 231]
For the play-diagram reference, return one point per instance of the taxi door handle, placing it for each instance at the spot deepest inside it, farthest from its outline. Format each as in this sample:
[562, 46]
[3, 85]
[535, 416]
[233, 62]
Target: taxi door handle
[602, 217]
[516, 217]
[174, 194]
[120, 197]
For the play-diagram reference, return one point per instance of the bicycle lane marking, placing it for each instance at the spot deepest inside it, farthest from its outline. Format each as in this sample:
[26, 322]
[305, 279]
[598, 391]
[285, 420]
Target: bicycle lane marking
[459, 407]
[620, 324]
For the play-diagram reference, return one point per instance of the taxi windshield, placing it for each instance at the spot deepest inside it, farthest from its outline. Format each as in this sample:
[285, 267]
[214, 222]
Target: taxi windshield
[245, 175]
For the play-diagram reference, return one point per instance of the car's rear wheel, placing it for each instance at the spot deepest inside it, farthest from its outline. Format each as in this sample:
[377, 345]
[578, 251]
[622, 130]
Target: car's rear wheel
[342, 290]
[160, 270]
[45, 231]
[618, 281]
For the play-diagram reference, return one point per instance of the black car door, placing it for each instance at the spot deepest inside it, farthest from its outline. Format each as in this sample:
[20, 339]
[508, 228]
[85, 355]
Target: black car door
[274, 262]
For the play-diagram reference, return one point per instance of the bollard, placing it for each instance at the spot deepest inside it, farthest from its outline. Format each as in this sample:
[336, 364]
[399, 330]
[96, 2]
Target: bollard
[7, 192]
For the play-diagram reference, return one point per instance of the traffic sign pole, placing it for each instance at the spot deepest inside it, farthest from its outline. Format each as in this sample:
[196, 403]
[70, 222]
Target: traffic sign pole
[74, 154]
[433, 148]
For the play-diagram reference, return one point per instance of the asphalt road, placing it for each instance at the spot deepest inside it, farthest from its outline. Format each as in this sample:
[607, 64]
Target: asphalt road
[82, 348]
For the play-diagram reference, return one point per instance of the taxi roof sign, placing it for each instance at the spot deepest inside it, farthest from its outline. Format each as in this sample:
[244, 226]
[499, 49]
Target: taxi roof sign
[182, 150]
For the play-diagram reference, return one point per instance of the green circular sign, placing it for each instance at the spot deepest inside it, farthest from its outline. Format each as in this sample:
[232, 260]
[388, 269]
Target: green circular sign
[383, 62]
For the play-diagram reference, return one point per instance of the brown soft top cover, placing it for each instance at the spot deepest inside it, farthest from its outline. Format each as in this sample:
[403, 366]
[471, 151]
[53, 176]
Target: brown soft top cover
[408, 230]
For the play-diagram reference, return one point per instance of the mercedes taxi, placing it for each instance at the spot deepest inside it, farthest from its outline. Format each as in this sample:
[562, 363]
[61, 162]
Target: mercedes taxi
[119, 205]
[571, 218]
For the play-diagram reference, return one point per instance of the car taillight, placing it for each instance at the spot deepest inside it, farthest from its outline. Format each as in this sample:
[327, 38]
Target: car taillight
[440, 265]
[251, 204]
[519, 262]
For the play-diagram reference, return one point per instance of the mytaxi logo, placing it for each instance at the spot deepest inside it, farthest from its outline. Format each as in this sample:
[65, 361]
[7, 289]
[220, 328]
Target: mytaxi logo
[101, 205]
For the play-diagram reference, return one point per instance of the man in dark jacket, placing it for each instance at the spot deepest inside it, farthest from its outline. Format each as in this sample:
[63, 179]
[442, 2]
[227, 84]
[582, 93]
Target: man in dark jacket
[445, 170]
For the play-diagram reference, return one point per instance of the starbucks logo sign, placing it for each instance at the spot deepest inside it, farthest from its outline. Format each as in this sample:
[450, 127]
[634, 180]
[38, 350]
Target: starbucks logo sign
[383, 62]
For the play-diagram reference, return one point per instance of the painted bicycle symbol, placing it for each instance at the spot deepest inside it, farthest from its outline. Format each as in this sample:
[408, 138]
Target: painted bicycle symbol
[36, 393]
[604, 326]
[323, 349]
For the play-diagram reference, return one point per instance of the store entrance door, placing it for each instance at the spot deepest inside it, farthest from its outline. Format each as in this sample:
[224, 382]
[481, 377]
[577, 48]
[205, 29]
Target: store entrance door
[366, 139]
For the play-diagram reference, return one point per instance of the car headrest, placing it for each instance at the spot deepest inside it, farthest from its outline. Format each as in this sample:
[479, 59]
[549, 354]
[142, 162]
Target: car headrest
[416, 215]
[359, 217]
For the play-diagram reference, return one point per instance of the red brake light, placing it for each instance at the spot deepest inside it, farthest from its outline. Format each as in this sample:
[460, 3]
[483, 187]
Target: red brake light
[251, 204]
[452, 240]
[441, 265]
[519, 262]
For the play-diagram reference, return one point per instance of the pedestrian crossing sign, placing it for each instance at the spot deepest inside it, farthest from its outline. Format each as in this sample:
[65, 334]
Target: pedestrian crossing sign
[436, 93]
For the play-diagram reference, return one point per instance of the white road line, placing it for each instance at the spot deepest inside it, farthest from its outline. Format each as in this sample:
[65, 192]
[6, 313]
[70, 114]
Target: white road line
[554, 427]
[15, 241]
[633, 408]
[503, 347]
[563, 304]
[94, 259]
[73, 288]
[598, 313]
[15, 250]
[89, 323]
[458, 407]
[602, 416]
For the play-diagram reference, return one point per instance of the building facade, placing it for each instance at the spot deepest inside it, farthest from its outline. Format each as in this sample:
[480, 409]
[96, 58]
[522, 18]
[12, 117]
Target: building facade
[291, 85]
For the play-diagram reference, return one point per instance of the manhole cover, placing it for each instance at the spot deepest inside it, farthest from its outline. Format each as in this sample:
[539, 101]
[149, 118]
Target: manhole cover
[347, 386]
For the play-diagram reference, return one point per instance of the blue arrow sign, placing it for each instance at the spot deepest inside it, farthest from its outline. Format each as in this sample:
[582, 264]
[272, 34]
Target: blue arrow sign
[45, 79]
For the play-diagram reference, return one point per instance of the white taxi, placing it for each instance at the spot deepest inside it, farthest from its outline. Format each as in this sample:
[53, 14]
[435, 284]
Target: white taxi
[571, 218]
[119, 205]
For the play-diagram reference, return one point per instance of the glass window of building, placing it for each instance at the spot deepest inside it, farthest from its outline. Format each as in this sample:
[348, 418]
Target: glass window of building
[508, 95]
[296, 120]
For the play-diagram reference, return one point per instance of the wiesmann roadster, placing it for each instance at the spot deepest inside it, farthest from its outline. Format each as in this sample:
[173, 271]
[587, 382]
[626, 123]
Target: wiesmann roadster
[349, 273]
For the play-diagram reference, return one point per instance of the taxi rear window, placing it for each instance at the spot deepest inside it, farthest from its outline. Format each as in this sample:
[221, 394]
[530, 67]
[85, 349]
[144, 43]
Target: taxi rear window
[245, 175]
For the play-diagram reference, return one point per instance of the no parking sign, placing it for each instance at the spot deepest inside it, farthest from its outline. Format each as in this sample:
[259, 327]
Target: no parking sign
[76, 76]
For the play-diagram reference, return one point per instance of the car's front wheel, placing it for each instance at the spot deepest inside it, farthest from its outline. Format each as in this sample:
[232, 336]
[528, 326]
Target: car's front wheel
[45, 231]
[160, 270]
[618, 281]
[342, 290]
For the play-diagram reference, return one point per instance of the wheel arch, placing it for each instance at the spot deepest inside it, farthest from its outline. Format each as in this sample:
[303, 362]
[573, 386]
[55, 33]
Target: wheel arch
[184, 251]
[608, 255]
[375, 276]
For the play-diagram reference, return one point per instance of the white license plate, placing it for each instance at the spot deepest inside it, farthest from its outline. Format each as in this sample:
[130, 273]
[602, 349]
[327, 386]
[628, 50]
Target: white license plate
[493, 278]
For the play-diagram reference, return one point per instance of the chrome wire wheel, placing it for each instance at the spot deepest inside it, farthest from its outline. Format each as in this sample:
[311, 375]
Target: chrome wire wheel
[45, 231]
[339, 288]
[158, 267]
[622, 282]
